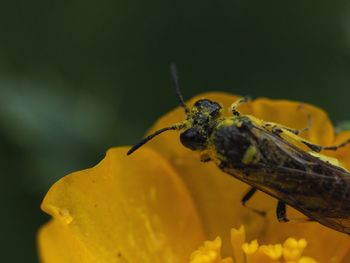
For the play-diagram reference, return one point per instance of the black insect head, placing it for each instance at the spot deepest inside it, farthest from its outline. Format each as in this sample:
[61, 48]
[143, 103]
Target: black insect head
[198, 124]
[201, 119]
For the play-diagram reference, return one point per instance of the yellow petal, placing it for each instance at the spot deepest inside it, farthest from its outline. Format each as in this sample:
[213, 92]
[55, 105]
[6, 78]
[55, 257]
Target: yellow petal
[125, 209]
[57, 245]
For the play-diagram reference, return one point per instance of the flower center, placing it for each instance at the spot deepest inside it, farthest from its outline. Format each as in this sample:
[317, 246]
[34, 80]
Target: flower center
[243, 252]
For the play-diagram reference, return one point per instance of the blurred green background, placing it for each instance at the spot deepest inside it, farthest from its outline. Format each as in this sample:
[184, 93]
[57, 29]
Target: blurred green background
[78, 77]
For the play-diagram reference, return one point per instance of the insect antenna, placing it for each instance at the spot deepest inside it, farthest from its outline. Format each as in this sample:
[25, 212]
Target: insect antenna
[177, 126]
[151, 136]
[175, 80]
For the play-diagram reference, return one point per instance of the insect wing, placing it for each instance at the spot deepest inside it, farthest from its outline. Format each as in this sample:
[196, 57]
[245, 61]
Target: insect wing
[297, 154]
[315, 187]
[321, 198]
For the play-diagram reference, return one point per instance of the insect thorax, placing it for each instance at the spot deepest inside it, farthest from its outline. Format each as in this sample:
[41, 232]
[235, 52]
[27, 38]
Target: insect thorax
[234, 144]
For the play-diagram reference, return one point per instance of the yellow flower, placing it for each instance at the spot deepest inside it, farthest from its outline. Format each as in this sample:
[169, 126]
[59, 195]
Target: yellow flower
[162, 203]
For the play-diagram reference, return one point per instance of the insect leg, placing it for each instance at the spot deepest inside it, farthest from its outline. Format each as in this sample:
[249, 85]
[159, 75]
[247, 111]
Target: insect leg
[308, 125]
[318, 148]
[299, 131]
[281, 212]
[236, 104]
[336, 147]
[271, 125]
[247, 197]
[291, 137]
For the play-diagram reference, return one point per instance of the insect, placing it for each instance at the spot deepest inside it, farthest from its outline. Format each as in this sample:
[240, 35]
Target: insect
[265, 155]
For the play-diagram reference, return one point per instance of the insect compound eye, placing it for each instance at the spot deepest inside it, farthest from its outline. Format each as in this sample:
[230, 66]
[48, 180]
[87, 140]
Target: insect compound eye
[193, 139]
[212, 107]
